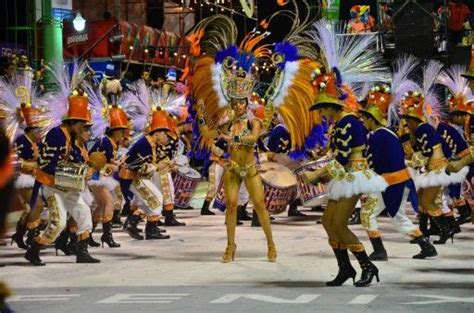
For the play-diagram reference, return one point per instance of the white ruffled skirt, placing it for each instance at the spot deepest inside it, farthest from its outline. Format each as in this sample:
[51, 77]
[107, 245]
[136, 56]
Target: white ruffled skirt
[24, 181]
[355, 183]
[437, 177]
[107, 181]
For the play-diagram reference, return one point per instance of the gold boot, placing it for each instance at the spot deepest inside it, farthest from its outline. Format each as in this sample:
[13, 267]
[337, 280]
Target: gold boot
[229, 254]
[272, 253]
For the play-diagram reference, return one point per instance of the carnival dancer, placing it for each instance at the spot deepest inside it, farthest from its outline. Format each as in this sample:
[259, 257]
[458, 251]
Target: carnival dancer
[459, 111]
[58, 151]
[110, 123]
[21, 103]
[418, 107]
[348, 170]
[386, 157]
[136, 172]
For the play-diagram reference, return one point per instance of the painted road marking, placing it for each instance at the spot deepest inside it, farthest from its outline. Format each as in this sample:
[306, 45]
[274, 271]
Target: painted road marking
[143, 298]
[29, 298]
[441, 299]
[305, 298]
[363, 299]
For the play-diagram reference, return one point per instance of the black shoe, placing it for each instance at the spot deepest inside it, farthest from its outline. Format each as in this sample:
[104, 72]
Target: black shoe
[423, 224]
[30, 236]
[346, 271]
[205, 208]
[83, 255]
[293, 209]
[445, 231]
[125, 209]
[32, 254]
[61, 243]
[355, 219]
[107, 236]
[92, 242]
[453, 225]
[72, 245]
[116, 220]
[379, 254]
[151, 232]
[465, 212]
[17, 237]
[369, 270]
[242, 214]
[132, 229]
[255, 221]
[184, 208]
[160, 223]
[427, 249]
[170, 220]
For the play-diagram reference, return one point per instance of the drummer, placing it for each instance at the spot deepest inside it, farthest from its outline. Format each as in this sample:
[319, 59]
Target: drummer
[165, 155]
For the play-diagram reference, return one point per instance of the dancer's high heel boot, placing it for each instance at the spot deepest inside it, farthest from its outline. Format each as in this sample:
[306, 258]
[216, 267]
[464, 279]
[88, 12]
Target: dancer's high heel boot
[444, 231]
[229, 253]
[91, 241]
[32, 254]
[61, 243]
[107, 236]
[369, 270]
[17, 237]
[346, 270]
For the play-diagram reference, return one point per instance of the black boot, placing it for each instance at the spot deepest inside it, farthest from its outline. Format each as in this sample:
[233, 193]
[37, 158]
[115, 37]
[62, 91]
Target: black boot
[91, 240]
[72, 245]
[32, 254]
[30, 237]
[369, 270]
[83, 255]
[205, 208]
[255, 221]
[423, 224]
[17, 237]
[152, 233]
[242, 214]
[445, 231]
[293, 209]
[170, 220]
[379, 254]
[61, 243]
[125, 209]
[132, 229]
[107, 236]
[427, 249]
[116, 221]
[465, 212]
[346, 270]
[453, 225]
[355, 219]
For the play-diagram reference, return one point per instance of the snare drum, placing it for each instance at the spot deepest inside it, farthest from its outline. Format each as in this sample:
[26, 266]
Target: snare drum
[279, 185]
[185, 181]
[70, 177]
[311, 195]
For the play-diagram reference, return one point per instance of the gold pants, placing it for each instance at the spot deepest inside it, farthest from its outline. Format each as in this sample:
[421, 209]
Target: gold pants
[232, 182]
[31, 217]
[335, 219]
[431, 201]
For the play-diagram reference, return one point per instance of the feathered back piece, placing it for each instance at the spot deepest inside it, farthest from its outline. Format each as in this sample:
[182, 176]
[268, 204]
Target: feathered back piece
[346, 59]
[459, 89]
[67, 83]
[98, 106]
[20, 102]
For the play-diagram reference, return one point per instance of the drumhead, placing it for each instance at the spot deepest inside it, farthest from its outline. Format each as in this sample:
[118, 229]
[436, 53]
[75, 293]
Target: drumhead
[311, 165]
[189, 172]
[277, 175]
[181, 160]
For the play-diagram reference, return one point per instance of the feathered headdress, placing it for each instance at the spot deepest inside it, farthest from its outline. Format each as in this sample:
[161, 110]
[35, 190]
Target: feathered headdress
[422, 102]
[20, 102]
[346, 59]
[459, 89]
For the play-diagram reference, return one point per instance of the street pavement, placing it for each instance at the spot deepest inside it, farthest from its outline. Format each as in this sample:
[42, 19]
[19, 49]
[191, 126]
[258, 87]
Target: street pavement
[184, 274]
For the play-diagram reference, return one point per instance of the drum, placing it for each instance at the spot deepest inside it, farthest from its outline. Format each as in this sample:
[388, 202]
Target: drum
[70, 176]
[311, 195]
[279, 187]
[185, 181]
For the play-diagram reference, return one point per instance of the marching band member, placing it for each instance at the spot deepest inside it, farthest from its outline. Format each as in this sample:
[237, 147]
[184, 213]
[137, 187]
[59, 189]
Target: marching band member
[135, 175]
[58, 150]
[418, 107]
[386, 157]
[348, 171]
[459, 109]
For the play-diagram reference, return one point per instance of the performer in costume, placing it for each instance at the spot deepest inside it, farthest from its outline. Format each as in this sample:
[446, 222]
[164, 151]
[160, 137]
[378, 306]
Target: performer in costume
[110, 124]
[135, 174]
[348, 170]
[386, 157]
[459, 112]
[18, 98]
[417, 108]
[58, 149]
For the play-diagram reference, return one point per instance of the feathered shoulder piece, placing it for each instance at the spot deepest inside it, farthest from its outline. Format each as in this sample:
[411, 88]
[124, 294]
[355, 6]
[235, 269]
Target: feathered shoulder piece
[458, 86]
[20, 102]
